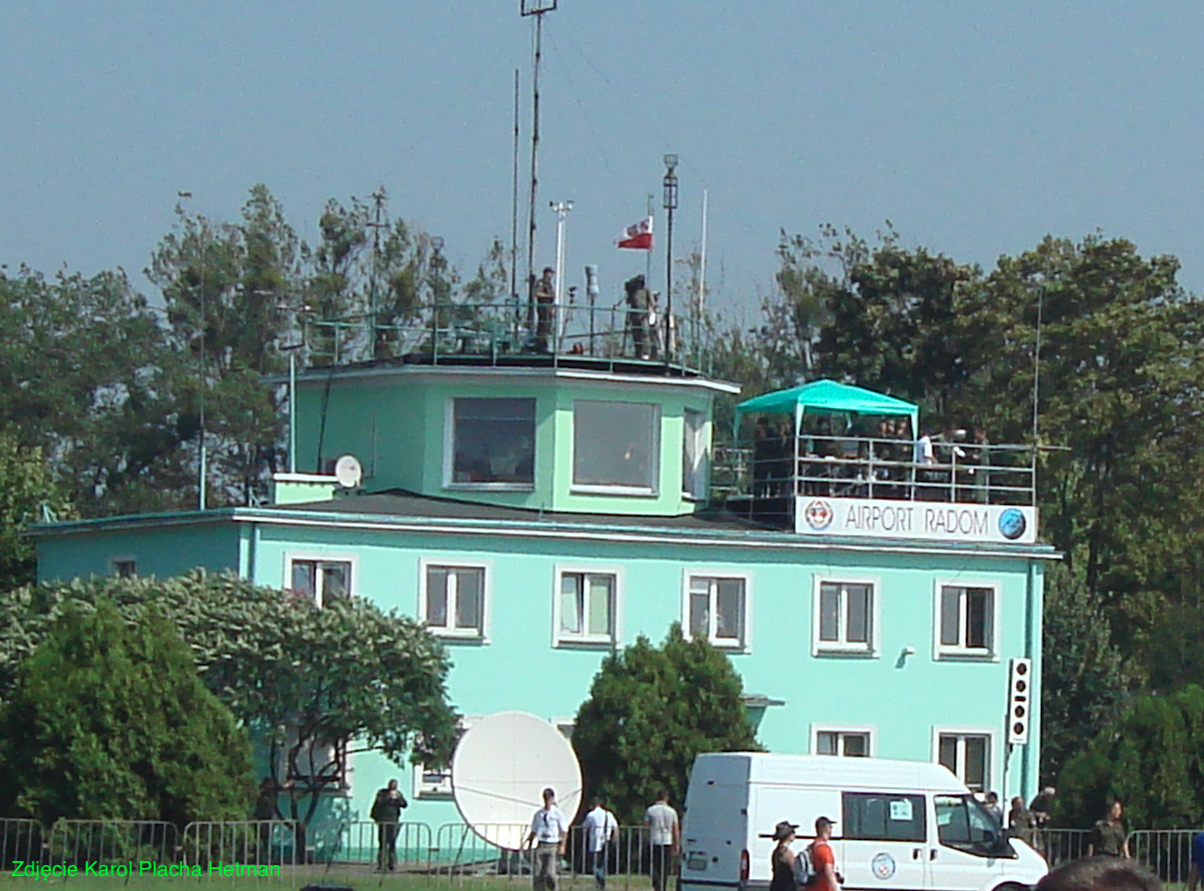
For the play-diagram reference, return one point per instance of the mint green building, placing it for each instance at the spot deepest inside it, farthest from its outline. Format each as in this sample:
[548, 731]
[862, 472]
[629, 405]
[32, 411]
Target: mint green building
[539, 511]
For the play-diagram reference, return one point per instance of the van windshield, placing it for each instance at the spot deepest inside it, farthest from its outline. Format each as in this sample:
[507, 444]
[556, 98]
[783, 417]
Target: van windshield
[964, 824]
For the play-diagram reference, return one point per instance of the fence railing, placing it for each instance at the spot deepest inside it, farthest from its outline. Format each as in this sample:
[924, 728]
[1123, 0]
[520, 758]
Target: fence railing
[293, 855]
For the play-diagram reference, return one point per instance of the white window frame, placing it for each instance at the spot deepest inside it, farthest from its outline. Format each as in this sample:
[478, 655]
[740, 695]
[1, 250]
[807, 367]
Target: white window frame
[870, 731]
[652, 491]
[723, 643]
[449, 449]
[560, 638]
[959, 652]
[442, 787]
[842, 647]
[993, 769]
[322, 557]
[466, 634]
[118, 560]
[697, 489]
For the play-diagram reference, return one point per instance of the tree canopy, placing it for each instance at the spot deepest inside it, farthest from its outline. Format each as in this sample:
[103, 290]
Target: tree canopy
[310, 685]
[107, 720]
[649, 712]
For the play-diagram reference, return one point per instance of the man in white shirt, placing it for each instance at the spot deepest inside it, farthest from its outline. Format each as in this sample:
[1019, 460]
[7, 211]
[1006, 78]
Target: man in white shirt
[600, 827]
[548, 830]
[664, 837]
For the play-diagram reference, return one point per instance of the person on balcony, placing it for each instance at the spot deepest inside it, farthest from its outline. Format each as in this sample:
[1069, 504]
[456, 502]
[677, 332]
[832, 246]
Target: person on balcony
[545, 309]
[638, 304]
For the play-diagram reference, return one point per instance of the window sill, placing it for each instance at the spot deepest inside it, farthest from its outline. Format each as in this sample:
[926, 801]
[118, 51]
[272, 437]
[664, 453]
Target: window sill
[966, 656]
[830, 650]
[586, 643]
[490, 487]
[465, 637]
[623, 491]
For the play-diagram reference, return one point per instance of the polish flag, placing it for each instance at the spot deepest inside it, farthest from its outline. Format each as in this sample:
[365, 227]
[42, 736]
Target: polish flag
[638, 236]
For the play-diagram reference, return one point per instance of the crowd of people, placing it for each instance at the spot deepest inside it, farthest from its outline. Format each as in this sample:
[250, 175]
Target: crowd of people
[869, 458]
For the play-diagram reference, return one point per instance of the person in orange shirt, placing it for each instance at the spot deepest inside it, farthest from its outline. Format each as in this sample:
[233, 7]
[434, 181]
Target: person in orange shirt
[823, 860]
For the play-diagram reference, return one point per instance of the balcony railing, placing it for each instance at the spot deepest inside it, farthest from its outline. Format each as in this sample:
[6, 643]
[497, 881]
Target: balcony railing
[508, 333]
[883, 469]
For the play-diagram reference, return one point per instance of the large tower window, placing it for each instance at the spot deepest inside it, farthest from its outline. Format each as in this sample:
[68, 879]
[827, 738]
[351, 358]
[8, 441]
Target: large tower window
[616, 447]
[492, 443]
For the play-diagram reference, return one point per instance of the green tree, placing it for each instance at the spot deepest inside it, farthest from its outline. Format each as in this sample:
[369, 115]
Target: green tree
[310, 685]
[650, 711]
[108, 720]
[1152, 758]
[27, 494]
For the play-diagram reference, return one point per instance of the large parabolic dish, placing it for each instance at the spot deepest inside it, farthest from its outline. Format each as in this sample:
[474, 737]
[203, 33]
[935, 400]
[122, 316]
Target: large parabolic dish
[499, 772]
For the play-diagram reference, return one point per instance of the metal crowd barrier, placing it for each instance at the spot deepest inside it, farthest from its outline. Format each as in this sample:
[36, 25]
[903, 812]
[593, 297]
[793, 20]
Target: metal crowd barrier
[110, 842]
[1166, 851]
[1061, 845]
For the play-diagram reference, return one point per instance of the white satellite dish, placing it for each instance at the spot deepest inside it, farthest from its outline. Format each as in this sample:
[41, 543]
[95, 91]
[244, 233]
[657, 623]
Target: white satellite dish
[348, 471]
[499, 772]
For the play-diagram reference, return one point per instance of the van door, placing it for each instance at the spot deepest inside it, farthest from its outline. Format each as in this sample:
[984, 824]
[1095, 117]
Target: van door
[970, 850]
[798, 804]
[883, 841]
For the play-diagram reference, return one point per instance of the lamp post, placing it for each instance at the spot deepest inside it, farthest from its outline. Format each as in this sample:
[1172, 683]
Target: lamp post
[561, 209]
[670, 205]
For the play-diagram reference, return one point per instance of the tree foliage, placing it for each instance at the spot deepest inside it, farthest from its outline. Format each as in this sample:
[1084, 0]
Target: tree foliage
[107, 720]
[307, 683]
[650, 711]
[1152, 759]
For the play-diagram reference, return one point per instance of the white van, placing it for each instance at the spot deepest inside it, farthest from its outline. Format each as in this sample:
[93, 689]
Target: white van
[899, 824]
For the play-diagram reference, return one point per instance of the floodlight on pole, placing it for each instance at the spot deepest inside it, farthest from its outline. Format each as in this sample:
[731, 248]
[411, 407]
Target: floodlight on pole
[670, 205]
[538, 9]
[202, 468]
[561, 209]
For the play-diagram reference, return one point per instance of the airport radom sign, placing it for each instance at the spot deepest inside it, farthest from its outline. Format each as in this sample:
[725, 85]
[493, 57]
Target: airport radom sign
[929, 520]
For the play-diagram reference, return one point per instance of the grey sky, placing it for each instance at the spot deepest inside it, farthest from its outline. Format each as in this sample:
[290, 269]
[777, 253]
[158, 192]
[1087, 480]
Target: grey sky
[976, 128]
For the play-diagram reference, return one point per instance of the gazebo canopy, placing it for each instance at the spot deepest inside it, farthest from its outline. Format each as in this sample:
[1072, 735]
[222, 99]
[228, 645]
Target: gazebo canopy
[827, 397]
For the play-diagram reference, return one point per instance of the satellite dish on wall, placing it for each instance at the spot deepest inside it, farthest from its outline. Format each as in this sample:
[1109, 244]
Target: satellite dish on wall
[348, 471]
[499, 772]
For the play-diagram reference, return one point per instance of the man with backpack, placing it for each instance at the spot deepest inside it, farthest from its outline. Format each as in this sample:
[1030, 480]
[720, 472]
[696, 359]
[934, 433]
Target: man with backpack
[822, 858]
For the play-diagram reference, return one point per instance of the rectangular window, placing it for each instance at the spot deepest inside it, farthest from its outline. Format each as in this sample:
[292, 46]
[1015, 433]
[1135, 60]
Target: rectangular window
[883, 816]
[963, 823]
[846, 743]
[453, 602]
[493, 443]
[716, 610]
[967, 620]
[968, 755]
[844, 617]
[434, 781]
[586, 609]
[321, 581]
[616, 446]
[693, 455]
[125, 567]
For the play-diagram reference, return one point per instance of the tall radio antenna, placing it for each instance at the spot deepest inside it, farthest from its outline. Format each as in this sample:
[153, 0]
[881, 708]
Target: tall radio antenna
[537, 8]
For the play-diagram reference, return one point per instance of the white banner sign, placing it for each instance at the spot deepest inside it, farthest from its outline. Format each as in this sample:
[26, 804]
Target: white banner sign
[929, 520]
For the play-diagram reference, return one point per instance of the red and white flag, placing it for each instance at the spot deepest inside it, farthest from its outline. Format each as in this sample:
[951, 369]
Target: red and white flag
[638, 236]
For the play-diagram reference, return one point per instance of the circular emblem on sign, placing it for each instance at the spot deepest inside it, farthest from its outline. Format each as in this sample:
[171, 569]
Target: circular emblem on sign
[883, 865]
[1012, 523]
[819, 514]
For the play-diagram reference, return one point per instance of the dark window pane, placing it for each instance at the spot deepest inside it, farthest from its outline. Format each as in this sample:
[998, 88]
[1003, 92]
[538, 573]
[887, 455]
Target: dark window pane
[829, 612]
[700, 607]
[335, 581]
[978, 602]
[730, 609]
[615, 444]
[951, 617]
[881, 816]
[825, 743]
[436, 596]
[570, 603]
[858, 598]
[975, 776]
[856, 745]
[494, 441]
[948, 752]
[305, 577]
[470, 584]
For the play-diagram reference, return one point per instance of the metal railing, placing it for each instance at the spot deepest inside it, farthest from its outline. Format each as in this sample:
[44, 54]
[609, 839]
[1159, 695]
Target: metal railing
[867, 467]
[491, 333]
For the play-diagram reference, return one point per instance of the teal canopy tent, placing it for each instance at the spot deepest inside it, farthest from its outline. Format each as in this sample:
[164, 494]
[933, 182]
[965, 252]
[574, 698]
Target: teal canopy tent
[827, 397]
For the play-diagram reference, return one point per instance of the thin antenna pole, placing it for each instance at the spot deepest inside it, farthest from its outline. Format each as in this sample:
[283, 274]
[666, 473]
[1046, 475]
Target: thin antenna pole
[378, 199]
[1037, 383]
[702, 283]
[514, 212]
[534, 170]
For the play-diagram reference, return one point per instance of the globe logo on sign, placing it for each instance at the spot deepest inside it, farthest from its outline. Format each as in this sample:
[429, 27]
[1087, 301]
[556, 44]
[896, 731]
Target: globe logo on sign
[883, 866]
[819, 514]
[1012, 523]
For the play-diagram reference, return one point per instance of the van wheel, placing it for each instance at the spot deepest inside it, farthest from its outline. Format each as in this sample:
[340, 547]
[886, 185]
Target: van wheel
[1011, 886]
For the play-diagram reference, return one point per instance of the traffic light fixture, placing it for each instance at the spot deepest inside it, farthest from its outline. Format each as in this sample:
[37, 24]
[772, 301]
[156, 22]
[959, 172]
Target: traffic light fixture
[1020, 695]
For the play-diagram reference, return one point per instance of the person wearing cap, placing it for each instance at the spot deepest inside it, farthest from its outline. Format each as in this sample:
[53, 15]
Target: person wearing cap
[548, 830]
[781, 861]
[823, 861]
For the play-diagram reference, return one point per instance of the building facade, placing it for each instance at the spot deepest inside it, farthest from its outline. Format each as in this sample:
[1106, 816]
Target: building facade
[538, 515]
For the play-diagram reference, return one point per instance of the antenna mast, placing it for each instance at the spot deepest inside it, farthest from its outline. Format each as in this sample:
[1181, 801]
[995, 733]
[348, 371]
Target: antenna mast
[537, 8]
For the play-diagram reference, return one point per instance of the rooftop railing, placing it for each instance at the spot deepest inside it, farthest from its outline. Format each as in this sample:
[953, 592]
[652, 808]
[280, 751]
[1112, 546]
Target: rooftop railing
[865, 467]
[508, 333]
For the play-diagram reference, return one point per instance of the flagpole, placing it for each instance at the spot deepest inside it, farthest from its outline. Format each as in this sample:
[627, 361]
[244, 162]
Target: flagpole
[648, 253]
